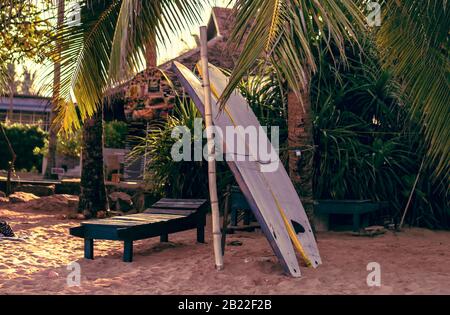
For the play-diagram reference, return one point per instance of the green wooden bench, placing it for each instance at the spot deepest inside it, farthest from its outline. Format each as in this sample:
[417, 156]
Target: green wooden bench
[165, 217]
[358, 208]
[239, 203]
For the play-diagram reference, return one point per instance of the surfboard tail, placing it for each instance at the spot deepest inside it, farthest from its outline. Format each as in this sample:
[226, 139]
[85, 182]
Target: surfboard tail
[278, 183]
[252, 182]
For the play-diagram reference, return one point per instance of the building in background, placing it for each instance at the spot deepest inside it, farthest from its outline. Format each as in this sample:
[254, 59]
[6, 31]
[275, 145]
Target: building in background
[26, 109]
[150, 95]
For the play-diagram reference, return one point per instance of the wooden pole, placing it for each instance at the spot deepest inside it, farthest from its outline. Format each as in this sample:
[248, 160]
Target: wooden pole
[411, 196]
[53, 129]
[212, 178]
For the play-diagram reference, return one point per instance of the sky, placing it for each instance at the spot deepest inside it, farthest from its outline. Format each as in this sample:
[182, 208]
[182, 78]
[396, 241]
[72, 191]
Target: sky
[178, 45]
[187, 41]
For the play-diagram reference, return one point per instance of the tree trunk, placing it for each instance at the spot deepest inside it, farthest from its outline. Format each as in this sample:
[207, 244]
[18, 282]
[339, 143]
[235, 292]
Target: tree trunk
[53, 130]
[93, 197]
[151, 54]
[12, 90]
[11, 162]
[301, 142]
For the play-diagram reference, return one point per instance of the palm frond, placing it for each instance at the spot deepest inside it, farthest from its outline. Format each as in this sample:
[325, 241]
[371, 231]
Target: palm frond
[287, 33]
[3, 77]
[414, 40]
[84, 61]
[108, 44]
[141, 22]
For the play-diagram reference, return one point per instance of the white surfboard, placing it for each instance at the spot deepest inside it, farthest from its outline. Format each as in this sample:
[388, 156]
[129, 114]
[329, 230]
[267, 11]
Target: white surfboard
[278, 181]
[248, 175]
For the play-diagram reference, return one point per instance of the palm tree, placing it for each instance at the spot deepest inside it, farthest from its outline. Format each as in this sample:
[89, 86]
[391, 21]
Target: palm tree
[100, 52]
[286, 33]
[53, 132]
[415, 43]
[106, 51]
[414, 40]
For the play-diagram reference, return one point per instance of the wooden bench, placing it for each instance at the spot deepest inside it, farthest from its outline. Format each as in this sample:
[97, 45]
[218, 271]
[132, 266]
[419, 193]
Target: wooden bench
[239, 210]
[166, 217]
[359, 209]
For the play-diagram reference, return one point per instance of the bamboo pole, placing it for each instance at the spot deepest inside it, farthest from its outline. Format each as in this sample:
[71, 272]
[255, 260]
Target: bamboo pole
[212, 177]
[411, 196]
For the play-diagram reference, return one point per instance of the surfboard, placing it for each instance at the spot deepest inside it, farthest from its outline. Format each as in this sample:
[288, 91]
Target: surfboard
[248, 177]
[278, 182]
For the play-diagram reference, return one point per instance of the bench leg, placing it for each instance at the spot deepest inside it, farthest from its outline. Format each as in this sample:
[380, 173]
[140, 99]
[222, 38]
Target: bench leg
[356, 222]
[165, 238]
[89, 248]
[234, 217]
[247, 214]
[201, 234]
[128, 251]
[365, 220]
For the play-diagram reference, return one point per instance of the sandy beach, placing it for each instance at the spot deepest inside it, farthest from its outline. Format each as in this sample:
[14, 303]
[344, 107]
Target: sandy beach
[415, 261]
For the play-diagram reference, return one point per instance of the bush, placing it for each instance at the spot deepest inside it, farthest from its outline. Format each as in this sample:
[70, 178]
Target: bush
[186, 179]
[190, 179]
[368, 144]
[25, 140]
[70, 145]
[115, 134]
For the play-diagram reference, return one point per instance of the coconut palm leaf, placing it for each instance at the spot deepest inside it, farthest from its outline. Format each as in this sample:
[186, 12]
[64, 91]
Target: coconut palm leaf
[287, 33]
[140, 22]
[414, 39]
[84, 57]
[104, 49]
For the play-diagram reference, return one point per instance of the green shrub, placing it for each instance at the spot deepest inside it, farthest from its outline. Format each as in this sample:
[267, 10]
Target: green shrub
[186, 179]
[25, 140]
[70, 145]
[67, 144]
[190, 179]
[368, 144]
[115, 134]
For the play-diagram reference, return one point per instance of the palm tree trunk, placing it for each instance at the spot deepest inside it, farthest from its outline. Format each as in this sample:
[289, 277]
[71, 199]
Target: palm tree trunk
[300, 133]
[93, 191]
[11, 162]
[151, 54]
[53, 133]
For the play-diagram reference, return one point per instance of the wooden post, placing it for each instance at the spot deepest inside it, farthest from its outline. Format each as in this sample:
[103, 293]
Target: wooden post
[411, 196]
[225, 218]
[217, 235]
[89, 248]
[128, 251]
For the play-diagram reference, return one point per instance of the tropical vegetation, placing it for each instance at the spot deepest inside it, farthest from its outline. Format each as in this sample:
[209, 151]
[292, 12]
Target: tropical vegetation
[366, 107]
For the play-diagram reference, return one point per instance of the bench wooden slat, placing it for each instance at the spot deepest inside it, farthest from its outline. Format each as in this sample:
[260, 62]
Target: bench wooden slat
[112, 223]
[180, 212]
[196, 201]
[179, 204]
[149, 217]
[165, 217]
[129, 222]
[171, 205]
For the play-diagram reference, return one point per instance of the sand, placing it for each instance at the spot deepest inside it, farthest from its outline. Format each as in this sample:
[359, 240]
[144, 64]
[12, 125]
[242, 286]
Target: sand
[412, 262]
